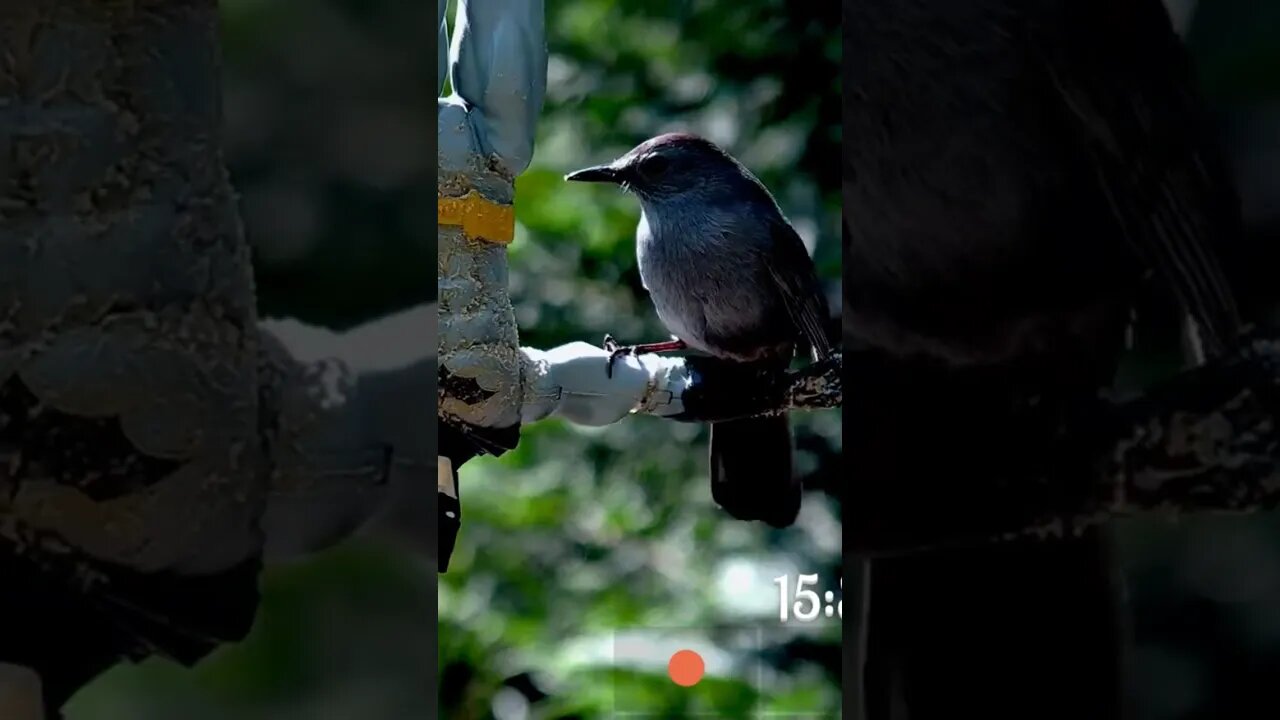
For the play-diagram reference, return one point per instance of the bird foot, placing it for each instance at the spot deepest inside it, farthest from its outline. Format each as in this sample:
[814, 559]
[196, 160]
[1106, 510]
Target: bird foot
[616, 351]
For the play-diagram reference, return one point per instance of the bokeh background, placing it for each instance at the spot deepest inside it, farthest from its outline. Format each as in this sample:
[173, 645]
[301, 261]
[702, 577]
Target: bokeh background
[588, 545]
[579, 533]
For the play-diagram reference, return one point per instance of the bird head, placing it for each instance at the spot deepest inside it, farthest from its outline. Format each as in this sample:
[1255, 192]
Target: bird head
[669, 166]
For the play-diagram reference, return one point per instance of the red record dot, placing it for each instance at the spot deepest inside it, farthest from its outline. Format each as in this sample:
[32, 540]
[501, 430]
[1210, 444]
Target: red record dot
[686, 668]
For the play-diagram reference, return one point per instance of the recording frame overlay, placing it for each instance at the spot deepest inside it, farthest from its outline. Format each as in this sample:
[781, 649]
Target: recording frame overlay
[728, 652]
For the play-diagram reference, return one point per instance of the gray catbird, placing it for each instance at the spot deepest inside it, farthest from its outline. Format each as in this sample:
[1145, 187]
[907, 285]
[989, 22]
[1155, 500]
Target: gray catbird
[729, 277]
[1018, 177]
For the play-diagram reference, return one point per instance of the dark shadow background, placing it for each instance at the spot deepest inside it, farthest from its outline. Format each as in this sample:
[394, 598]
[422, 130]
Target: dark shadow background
[1205, 592]
[327, 122]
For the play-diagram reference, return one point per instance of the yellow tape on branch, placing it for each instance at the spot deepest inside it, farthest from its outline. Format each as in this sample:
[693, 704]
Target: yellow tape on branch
[479, 217]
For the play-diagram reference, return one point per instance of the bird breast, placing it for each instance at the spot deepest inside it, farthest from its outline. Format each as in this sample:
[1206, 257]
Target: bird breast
[710, 286]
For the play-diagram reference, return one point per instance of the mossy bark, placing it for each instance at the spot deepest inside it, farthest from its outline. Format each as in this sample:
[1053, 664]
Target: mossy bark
[131, 469]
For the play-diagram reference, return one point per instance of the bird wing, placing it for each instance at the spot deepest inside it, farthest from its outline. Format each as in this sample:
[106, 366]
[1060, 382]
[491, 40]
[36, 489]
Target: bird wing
[793, 273]
[1139, 120]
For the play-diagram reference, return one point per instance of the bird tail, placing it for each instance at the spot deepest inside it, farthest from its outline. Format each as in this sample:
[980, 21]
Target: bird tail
[751, 470]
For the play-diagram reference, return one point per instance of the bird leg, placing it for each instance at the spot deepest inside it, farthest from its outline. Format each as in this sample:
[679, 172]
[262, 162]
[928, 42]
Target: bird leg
[616, 351]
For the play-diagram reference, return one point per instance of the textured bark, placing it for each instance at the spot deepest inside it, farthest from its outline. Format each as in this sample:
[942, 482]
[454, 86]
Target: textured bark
[1205, 441]
[131, 472]
[143, 418]
[725, 391]
[126, 297]
[485, 137]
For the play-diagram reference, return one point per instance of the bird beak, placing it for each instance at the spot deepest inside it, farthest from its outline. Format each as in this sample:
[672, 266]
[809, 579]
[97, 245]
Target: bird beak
[599, 173]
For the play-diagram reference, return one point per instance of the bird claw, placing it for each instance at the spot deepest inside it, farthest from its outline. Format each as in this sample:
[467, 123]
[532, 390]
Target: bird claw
[615, 351]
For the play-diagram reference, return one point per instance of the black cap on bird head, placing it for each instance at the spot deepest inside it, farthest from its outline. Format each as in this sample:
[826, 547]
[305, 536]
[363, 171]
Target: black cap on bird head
[668, 162]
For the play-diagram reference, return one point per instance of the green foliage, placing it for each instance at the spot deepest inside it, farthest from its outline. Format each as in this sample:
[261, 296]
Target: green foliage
[581, 534]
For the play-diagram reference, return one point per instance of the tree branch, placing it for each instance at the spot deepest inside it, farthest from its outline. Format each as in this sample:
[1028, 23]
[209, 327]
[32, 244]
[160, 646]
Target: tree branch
[720, 390]
[348, 428]
[1204, 442]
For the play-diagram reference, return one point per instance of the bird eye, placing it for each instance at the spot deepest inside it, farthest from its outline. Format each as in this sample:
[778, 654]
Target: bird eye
[655, 164]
